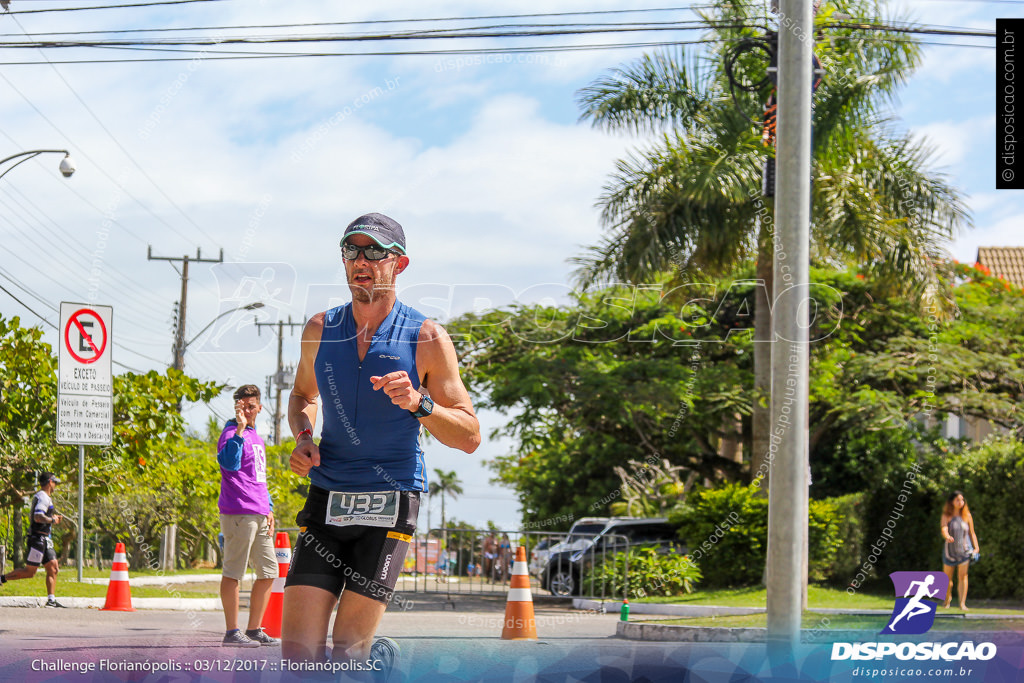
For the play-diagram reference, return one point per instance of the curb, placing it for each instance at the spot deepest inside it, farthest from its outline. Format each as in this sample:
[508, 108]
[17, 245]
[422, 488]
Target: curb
[168, 579]
[709, 634]
[665, 610]
[184, 604]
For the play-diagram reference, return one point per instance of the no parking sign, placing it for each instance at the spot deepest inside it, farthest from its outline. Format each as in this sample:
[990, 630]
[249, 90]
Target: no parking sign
[85, 410]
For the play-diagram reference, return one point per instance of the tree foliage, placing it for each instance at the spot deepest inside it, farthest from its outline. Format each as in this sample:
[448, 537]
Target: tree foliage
[626, 375]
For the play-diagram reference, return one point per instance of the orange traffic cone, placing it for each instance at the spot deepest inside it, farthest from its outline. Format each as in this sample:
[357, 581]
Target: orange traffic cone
[519, 620]
[119, 593]
[272, 617]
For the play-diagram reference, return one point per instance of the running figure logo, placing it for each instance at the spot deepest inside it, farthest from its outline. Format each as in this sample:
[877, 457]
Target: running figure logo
[914, 612]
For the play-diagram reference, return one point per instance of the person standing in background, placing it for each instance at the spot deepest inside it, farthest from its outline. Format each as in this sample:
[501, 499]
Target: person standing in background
[961, 545]
[246, 520]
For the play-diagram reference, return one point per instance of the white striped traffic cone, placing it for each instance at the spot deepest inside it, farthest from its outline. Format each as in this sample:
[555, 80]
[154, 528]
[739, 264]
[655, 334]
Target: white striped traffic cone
[519, 619]
[119, 593]
[272, 617]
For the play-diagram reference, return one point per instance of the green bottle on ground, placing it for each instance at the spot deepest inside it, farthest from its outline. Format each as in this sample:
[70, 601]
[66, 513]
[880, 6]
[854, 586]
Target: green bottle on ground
[624, 612]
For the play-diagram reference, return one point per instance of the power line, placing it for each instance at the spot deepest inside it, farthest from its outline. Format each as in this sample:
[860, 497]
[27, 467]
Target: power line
[917, 30]
[117, 142]
[437, 34]
[80, 151]
[184, 29]
[29, 308]
[125, 6]
[392, 53]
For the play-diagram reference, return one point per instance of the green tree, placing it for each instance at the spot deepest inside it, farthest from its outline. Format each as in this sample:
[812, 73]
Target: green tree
[445, 483]
[597, 384]
[691, 202]
[147, 427]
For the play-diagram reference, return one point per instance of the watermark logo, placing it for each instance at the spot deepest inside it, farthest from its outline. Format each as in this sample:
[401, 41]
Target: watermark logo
[917, 596]
[249, 294]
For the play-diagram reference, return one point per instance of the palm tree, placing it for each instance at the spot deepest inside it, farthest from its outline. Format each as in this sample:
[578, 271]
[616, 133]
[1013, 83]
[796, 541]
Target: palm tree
[691, 204]
[445, 483]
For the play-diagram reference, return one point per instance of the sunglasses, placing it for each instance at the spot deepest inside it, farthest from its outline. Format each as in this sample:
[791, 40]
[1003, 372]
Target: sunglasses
[372, 252]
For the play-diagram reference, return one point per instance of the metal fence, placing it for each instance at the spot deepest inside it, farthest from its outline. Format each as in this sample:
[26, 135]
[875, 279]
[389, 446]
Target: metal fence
[479, 562]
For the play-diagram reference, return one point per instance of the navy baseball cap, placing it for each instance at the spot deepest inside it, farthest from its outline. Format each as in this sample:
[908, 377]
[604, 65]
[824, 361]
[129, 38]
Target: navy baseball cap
[46, 477]
[385, 231]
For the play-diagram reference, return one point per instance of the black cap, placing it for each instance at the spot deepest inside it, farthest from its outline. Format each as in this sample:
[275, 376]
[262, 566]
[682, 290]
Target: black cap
[46, 477]
[385, 231]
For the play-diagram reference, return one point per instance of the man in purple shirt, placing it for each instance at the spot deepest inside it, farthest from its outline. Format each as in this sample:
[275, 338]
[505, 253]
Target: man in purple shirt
[246, 519]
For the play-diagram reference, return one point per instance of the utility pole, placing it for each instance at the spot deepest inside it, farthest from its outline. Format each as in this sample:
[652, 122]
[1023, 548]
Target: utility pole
[787, 496]
[179, 333]
[279, 377]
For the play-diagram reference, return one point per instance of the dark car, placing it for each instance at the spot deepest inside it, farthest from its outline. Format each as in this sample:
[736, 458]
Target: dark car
[568, 562]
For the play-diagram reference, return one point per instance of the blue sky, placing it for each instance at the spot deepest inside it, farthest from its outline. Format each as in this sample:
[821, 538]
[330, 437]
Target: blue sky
[483, 161]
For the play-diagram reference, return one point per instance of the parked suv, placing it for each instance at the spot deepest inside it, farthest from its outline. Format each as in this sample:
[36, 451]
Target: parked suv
[580, 534]
[591, 541]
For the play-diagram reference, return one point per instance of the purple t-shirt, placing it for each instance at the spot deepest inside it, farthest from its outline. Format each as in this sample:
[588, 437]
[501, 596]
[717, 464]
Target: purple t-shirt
[243, 472]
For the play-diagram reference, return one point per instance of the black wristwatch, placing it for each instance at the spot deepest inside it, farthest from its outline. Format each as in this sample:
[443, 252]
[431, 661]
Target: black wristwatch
[426, 407]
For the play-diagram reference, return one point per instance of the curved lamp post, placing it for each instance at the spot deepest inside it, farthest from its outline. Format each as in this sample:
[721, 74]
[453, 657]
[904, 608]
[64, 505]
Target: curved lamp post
[185, 345]
[67, 165]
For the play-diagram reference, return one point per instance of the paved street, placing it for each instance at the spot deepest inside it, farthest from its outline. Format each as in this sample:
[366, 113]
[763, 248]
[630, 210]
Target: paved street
[437, 641]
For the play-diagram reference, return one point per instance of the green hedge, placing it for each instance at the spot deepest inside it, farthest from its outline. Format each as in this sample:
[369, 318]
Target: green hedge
[726, 530]
[991, 475]
[650, 574]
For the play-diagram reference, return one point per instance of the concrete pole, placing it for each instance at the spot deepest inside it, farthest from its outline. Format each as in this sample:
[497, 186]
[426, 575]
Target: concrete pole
[787, 498]
[179, 337]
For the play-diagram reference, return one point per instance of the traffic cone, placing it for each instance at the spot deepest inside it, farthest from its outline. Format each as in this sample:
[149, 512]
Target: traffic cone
[520, 623]
[272, 617]
[119, 593]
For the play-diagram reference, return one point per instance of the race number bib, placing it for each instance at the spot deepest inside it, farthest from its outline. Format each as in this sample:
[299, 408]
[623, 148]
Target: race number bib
[376, 508]
[260, 462]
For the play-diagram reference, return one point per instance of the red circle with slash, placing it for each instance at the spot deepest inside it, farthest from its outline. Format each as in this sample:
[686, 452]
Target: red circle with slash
[74, 320]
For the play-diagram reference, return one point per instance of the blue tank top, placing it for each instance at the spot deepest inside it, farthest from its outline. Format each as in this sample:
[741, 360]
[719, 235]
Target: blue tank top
[367, 442]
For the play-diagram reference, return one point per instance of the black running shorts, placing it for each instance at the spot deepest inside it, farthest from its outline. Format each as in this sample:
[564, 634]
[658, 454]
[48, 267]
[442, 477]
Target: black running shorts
[40, 550]
[362, 559]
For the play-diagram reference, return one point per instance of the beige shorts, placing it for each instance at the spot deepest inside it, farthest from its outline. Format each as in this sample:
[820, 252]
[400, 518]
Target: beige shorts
[246, 540]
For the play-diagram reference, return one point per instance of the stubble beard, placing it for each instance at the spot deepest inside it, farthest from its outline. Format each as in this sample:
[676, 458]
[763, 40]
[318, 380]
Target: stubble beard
[375, 292]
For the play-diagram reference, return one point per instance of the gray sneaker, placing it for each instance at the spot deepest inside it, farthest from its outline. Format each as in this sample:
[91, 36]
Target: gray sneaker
[52, 602]
[260, 636]
[387, 652]
[238, 639]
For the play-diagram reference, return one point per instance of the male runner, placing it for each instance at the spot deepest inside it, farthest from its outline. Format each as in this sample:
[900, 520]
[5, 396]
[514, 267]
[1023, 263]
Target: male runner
[40, 545]
[372, 363]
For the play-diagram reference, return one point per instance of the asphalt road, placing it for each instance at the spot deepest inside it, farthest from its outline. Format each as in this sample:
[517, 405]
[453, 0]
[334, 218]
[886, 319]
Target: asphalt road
[437, 641]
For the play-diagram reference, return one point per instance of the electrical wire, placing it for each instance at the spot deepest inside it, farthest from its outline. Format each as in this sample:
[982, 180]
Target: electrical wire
[27, 307]
[117, 142]
[96, 7]
[398, 53]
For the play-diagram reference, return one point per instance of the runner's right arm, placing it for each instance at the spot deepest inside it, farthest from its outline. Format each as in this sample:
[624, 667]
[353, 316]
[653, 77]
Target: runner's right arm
[302, 401]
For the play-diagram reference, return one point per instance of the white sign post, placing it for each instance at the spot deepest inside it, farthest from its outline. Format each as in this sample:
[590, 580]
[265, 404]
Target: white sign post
[85, 389]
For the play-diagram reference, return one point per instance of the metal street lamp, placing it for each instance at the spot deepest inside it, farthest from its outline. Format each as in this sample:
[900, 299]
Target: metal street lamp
[248, 307]
[67, 165]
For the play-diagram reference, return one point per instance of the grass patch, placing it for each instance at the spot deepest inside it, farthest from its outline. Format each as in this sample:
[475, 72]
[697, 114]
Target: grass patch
[93, 573]
[68, 587]
[819, 597]
[812, 620]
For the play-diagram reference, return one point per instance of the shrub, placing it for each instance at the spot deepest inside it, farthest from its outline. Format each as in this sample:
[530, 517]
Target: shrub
[991, 475]
[727, 532]
[850, 511]
[650, 574]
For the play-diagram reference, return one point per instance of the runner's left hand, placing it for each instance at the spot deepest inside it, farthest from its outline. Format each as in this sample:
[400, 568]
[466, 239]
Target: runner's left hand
[398, 387]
